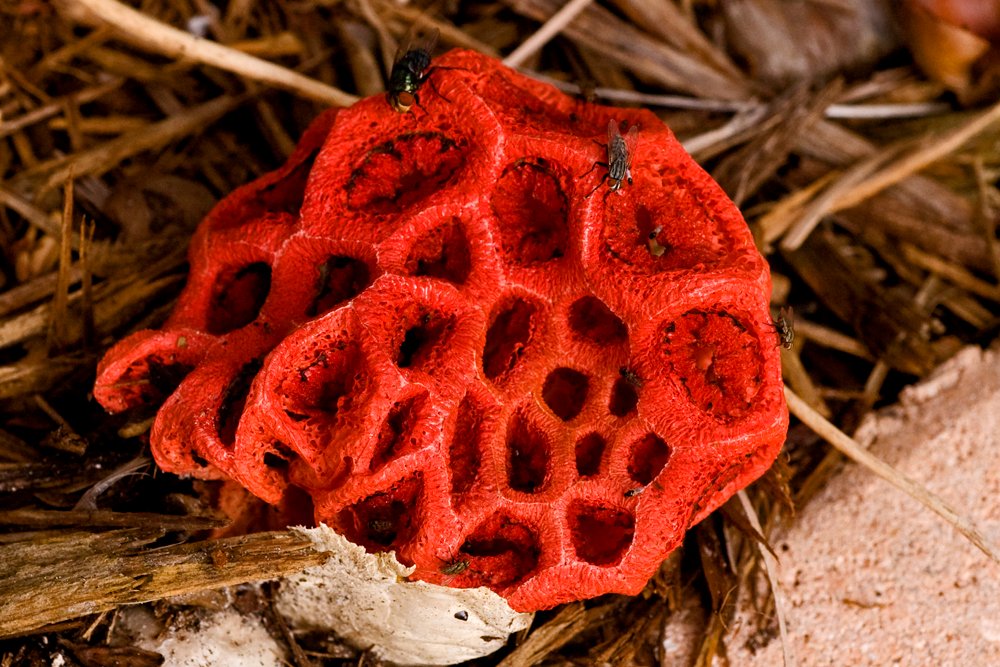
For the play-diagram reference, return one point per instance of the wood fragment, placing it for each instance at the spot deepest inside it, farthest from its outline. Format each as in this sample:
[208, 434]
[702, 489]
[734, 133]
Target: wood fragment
[892, 328]
[58, 314]
[145, 32]
[743, 172]
[104, 518]
[600, 30]
[100, 159]
[884, 169]
[552, 27]
[118, 567]
[549, 637]
[771, 568]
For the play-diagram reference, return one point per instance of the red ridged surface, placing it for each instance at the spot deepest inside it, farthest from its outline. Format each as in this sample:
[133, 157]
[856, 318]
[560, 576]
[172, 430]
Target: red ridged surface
[428, 337]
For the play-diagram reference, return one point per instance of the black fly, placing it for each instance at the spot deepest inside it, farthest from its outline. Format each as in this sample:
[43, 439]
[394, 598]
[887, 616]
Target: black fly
[630, 376]
[784, 326]
[410, 69]
[620, 153]
[455, 567]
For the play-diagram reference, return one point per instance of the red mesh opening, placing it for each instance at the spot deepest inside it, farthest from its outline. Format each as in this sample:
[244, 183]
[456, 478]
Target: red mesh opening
[531, 208]
[333, 379]
[383, 520]
[624, 398]
[529, 455]
[589, 451]
[647, 458]
[565, 392]
[422, 337]
[340, 279]
[399, 172]
[594, 321]
[509, 334]
[501, 552]
[717, 359]
[600, 535]
[442, 253]
[661, 232]
[238, 297]
[234, 400]
[464, 455]
[397, 436]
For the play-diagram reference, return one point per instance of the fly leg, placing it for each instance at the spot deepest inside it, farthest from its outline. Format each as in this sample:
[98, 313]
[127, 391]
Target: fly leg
[416, 103]
[601, 182]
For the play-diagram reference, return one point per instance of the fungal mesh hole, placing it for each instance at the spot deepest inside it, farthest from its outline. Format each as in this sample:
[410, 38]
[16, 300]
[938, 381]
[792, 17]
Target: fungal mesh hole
[464, 454]
[531, 210]
[340, 279]
[594, 321]
[442, 253]
[501, 552]
[328, 384]
[589, 452]
[717, 359]
[156, 377]
[397, 173]
[624, 398]
[529, 455]
[601, 535]
[278, 457]
[651, 236]
[396, 436]
[238, 298]
[648, 456]
[384, 520]
[425, 338]
[234, 400]
[507, 337]
[287, 194]
[565, 392]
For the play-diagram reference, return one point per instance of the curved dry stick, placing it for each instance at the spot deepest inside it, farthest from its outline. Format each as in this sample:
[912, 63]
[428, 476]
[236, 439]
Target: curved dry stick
[550, 29]
[852, 450]
[771, 569]
[152, 35]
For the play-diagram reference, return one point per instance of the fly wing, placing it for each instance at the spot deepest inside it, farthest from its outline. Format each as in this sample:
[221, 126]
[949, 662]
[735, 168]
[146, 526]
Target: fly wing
[428, 41]
[614, 140]
[631, 139]
[405, 45]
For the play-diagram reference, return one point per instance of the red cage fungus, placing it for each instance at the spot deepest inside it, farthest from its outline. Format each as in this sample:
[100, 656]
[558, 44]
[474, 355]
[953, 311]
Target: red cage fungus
[423, 324]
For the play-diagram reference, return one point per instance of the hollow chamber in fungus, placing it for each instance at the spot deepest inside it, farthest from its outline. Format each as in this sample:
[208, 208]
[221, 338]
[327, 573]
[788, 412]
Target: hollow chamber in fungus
[422, 324]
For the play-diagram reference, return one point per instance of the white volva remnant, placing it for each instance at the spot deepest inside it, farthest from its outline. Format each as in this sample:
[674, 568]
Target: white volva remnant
[365, 599]
[362, 598]
[221, 639]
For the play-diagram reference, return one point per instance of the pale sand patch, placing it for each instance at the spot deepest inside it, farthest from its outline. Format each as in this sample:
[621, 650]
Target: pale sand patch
[873, 578]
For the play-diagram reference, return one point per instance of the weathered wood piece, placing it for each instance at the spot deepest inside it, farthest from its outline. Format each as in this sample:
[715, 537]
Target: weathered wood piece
[57, 578]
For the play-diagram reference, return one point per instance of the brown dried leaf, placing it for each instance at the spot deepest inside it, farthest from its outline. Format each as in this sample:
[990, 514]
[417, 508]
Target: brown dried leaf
[106, 656]
[789, 41]
[149, 203]
[955, 43]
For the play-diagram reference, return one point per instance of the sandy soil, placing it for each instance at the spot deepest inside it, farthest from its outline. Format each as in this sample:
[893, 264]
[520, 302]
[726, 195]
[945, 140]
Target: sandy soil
[871, 577]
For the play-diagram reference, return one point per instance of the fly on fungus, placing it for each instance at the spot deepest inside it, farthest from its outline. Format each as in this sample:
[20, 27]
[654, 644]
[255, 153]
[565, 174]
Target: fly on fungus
[784, 327]
[410, 69]
[621, 151]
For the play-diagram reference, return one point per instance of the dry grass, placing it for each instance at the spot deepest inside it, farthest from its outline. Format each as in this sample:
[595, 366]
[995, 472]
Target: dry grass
[872, 193]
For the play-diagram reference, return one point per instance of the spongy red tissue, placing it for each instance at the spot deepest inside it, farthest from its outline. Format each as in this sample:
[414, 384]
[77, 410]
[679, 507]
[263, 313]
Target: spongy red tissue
[424, 325]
